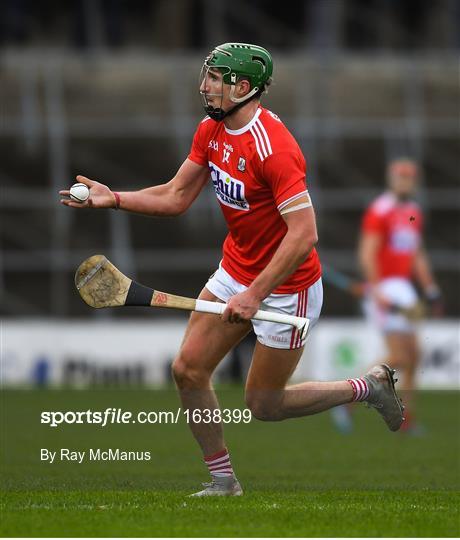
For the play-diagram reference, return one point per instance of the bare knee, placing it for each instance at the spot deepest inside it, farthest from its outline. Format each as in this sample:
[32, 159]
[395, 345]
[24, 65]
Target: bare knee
[264, 406]
[188, 373]
[403, 350]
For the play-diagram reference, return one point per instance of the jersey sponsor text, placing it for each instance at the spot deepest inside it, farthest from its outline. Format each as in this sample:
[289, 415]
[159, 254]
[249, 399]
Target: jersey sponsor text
[229, 191]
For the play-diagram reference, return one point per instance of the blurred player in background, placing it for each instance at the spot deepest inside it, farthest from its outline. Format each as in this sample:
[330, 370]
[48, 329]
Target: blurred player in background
[269, 259]
[391, 255]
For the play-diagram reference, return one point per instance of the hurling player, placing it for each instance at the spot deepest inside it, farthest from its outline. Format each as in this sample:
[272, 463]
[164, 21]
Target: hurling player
[391, 254]
[269, 259]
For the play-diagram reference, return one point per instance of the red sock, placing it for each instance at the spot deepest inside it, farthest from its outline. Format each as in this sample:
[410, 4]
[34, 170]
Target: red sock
[360, 389]
[219, 464]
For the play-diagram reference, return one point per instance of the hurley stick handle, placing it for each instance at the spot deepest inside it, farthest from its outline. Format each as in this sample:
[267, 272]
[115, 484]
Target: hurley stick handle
[301, 323]
[162, 299]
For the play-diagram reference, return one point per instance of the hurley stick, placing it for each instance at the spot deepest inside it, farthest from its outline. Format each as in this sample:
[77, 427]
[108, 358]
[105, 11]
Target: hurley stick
[101, 284]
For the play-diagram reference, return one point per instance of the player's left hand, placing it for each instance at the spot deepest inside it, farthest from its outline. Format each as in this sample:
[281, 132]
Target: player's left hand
[241, 307]
[436, 308]
[435, 301]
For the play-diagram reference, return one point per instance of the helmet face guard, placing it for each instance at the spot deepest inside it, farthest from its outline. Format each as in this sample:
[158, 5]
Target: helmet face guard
[216, 113]
[236, 61]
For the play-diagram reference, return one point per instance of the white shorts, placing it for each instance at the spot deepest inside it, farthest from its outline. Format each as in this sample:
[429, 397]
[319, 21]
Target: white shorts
[306, 303]
[399, 292]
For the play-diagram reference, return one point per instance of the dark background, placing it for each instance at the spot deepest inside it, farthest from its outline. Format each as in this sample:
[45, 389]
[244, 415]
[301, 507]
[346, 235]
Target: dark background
[108, 89]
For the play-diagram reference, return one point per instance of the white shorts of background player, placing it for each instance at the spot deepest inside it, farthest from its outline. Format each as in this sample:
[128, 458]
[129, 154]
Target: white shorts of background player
[399, 292]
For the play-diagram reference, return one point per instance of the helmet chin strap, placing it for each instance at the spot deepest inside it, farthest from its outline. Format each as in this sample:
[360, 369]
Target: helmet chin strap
[218, 114]
[404, 197]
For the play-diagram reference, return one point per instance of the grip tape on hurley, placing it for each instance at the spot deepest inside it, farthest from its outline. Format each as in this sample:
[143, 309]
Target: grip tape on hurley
[139, 295]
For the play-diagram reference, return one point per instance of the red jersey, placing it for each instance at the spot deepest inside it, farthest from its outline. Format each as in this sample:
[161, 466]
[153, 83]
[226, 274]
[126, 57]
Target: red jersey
[256, 171]
[400, 226]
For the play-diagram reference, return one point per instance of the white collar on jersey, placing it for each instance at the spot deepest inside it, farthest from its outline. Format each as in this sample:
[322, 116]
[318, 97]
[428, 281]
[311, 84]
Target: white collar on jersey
[247, 126]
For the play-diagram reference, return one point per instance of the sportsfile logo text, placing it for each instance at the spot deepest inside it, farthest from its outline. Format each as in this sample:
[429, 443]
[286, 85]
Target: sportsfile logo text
[113, 415]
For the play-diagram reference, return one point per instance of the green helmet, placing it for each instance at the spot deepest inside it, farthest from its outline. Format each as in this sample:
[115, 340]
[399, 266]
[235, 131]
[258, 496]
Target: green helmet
[237, 60]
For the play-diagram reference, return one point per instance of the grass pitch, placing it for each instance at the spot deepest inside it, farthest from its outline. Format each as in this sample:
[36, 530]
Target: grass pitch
[300, 476]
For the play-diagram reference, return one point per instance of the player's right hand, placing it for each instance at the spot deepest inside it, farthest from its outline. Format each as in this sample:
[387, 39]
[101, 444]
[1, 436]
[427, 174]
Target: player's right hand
[100, 195]
[357, 289]
[382, 301]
